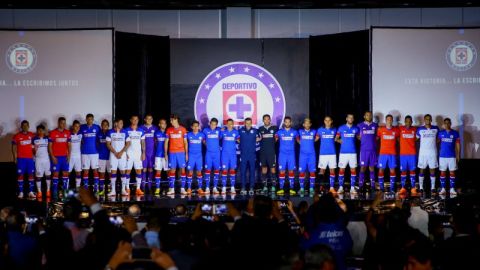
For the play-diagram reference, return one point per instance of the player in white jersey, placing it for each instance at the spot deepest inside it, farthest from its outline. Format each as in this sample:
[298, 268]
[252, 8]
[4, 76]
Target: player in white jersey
[427, 154]
[42, 159]
[118, 143]
[135, 152]
[75, 160]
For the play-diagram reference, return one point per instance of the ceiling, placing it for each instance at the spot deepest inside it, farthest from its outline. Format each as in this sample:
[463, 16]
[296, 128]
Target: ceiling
[206, 4]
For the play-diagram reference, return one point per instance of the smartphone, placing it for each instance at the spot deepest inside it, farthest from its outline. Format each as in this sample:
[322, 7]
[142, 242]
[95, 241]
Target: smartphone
[141, 253]
[116, 220]
[207, 209]
[220, 209]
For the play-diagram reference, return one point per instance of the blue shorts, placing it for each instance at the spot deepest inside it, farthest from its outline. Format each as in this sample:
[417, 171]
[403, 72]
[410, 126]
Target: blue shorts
[385, 161]
[212, 160]
[176, 160]
[25, 165]
[229, 161]
[149, 162]
[195, 162]
[307, 162]
[286, 162]
[408, 162]
[62, 165]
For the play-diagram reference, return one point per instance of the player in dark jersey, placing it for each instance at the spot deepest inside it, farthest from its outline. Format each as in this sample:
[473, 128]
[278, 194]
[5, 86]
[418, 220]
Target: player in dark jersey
[267, 153]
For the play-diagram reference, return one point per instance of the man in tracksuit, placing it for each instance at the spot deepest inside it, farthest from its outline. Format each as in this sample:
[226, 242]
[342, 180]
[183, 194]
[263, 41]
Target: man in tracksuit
[248, 139]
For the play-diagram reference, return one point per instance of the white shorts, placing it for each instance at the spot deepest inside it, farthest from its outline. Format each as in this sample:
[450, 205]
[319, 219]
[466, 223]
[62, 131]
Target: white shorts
[448, 163]
[118, 163]
[90, 161]
[75, 163]
[329, 161]
[160, 164]
[103, 165]
[42, 167]
[135, 163]
[347, 159]
[429, 161]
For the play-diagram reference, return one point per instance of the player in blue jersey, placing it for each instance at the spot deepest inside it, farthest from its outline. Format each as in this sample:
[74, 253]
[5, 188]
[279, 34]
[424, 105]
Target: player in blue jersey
[160, 162]
[328, 154]
[103, 156]
[212, 155]
[90, 139]
[195, 140]
[135, 153]
[286, 156]
[449, 155]
[149, 161]
[307, 159]
[118, 143]
[346, 136]
[229, 156]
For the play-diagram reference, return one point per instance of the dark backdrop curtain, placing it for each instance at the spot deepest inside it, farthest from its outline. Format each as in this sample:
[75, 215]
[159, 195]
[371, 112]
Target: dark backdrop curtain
[142, 76]
[339, 76]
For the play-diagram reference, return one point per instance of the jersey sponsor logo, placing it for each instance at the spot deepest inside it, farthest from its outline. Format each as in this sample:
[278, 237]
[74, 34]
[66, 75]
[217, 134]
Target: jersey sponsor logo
[160, 139]
[25, 142]
[244, 90]
[328, 136]
[21, 58]
[61, 140]
[388, 137]
[176, 135]
[307, 137]
[212, 136]
[368, 131]
[227, 138]
[408, 136]
[348, 135]
[195, 141]
[90, 135]
[461, 55]
[268, 135]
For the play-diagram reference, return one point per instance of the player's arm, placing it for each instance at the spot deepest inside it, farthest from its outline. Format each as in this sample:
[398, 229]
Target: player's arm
[110, 147]
[185, 144]
[457, 150]
[259, 137]
[142, 142]
[50, 152]
[165, 148]
[14, 152]
[297, 139]
[317, 137]
[338, 139]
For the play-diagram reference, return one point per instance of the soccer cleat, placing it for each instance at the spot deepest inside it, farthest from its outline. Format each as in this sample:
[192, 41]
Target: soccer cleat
[243, 192]
[413, 192]
[232, 190]
[39, 195]
[332, 190]
[126, 192]
[31, 195]
[251, 192]
[49, 194]
[189, 191]
[340, 190]
[280, 192]
[101, 193]
[273, 189]
[301, 192]
[292, 192]
[442, 191]
[139, 192]
[224, 190]
[157, 192]
[311, 191]
[171, 191]
[207, 191]
[353, 191]
[265, 190]
[402, 191]
[183, 191]
[453, 192]
[112, 194]
[215, 191]
[20, 195]
[200, 191]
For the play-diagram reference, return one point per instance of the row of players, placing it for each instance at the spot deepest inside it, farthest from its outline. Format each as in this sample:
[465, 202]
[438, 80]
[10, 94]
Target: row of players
[143, 148]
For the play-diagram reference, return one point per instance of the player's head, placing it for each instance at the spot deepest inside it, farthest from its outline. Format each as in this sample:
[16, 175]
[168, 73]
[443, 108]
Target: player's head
[248, 122]
[174, 120]
[408, 121]
[89, 119]
[62, 122]
[328, 121]
[287, 121]
[350, 118]
[447, 122]
[389, 120]
[368, 116]
[162, 123]
[213, 123]
[195, 126]
[427, 119]
[134, 120]
[118, 123]
[24, 125]
[266, 119]
[307, 123]
[230, 123]
[105, 125]
[75, 126]
[41, 130]
[148, 119]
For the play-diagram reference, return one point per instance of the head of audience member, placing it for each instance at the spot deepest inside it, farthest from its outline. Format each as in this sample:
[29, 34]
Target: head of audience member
[148, 119]
[195, 126]
[89, 119]
[134, 210]
[327, 209]
[396, 220]
[307, 123]
[418, 255]
[61, 123]
[368, 116]
[389, 120]
[162, 124]
[319, 257]
[302, 207]
[230, 124]
[408, 121]
[15, 222]
[262, 206]
[213, 123]
[41, 131]
[105, 125]
[287, 122]
[174, 120]
[266, 120]
[447, 123]
[427, 119]
[180, 210]
[24, 126]
[350, 118]
[72, 210]
[119, 124]
[134, 120]
[5, 212]
[328, 121]
[75, 126]
[248, 123]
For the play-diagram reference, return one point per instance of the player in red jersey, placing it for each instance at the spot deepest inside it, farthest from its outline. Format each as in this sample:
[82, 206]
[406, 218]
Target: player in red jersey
[176, 146]
[388, 152]
[59, 150]
[408, 155]
[22, 152]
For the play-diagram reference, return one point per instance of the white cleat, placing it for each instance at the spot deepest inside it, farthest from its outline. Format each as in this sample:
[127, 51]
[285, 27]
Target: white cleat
[443, 191]
[112, 193]
[215, 191]
[183, 191]
[31, 195]
[224, 190]
[125, 193]
[232, 190]
[453, 192]
[171, 191]
[207, 191]
[20, 195]
[353, 191]
[340, 190]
